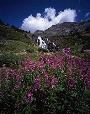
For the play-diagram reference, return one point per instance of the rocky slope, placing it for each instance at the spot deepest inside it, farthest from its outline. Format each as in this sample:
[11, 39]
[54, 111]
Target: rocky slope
[67, 34]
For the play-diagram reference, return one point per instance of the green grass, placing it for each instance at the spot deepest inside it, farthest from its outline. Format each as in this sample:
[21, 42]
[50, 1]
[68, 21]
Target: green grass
[8, 33]
[14, 46]
[10, 59]
[15, 40]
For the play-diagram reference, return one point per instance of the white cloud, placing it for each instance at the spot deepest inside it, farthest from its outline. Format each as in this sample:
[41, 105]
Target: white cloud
[50, 13]
[50, 18]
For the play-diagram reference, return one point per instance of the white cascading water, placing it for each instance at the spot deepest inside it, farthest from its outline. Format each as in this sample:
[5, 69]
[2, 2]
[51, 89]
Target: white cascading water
[54, 44]
[42, 43]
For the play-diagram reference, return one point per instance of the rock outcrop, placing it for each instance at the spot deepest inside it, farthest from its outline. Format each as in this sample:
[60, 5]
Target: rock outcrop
[66, 34]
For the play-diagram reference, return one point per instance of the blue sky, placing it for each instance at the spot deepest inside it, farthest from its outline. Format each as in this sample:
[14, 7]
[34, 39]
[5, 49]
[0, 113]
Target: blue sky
[15, 11]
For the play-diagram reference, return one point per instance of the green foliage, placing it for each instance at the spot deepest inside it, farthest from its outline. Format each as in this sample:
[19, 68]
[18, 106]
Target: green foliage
[36, 90]
[76, 49]
[42, 50]
[35, 56]
[10, 59]
[8, 33]
[30, 50]
[58, 100]
[13, 46]
[86, 55]
[29, 78]
[14, 40]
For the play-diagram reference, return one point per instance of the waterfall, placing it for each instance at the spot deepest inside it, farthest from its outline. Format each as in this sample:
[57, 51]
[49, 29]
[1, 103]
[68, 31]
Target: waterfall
[41, 43]
[54, 44]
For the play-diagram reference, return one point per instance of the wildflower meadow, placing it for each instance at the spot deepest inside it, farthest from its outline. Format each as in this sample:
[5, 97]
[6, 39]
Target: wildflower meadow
[56, 83]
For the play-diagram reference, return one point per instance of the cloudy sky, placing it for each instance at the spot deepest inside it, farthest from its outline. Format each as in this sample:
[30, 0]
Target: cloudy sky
[32, 15]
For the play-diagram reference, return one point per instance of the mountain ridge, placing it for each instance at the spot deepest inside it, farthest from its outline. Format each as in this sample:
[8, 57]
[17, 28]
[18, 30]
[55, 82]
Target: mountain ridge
[64, 35]
[64, 32]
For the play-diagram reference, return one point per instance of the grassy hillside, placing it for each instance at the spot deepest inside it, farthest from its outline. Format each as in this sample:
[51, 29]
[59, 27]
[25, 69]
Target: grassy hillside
[12, 45]
[13, 39]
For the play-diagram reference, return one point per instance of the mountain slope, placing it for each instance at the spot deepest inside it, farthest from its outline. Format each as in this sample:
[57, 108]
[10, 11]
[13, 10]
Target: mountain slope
[67, 34]
[14, 39]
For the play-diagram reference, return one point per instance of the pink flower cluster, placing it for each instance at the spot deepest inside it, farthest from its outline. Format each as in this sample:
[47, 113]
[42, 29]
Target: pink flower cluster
[29, 97]
[66, 63]
[28, 65]
[54, 61]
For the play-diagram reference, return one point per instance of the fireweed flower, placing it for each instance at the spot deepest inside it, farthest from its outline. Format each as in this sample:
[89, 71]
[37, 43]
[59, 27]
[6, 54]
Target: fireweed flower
[87, 81]
[70, 66]
[40, 65]
[51, 81]
[29, 97]
[28, 65]
[54, 82]
[85, 76]
[15, 74]
[37, 83]
[67, 51]
[47, 79]
[71, 82]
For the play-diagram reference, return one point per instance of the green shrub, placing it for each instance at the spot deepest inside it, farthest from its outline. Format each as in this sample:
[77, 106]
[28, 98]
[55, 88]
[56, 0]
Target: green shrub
[76, 49]
[42, 50]
[30, 50]
[10, 59]
[86, 55]
[13, 46]
[35, 56]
